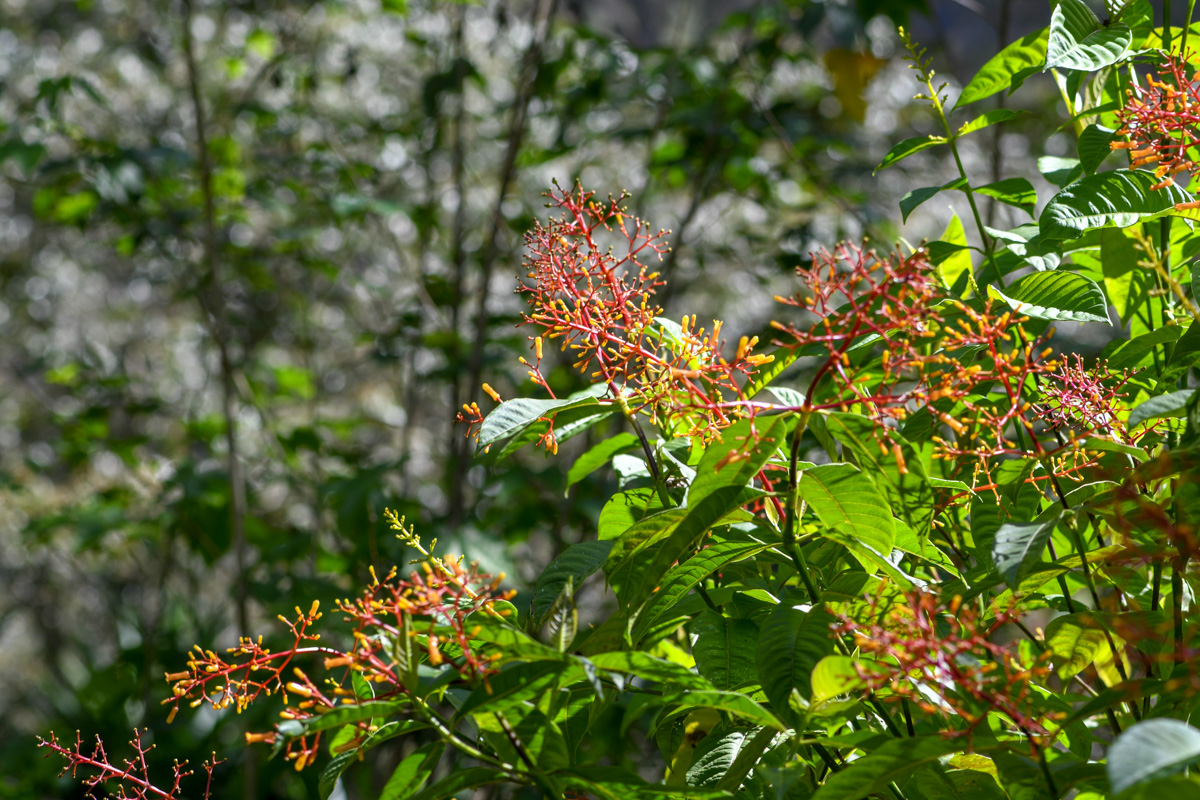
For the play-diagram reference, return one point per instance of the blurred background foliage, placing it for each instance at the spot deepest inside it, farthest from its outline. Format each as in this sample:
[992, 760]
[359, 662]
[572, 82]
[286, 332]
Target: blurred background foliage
[254, 254]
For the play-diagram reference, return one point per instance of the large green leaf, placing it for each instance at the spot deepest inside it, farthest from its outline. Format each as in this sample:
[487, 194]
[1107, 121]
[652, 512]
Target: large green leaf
[724, 649]
[1078, 41]
[1055, 295]
[718, 489]
[1018, 546]
[460, 780]
[682, 579]
[516, 684]
[1172, 404]
[598, 456]
[513, 416]
[715, 755]
[1008, 69]
[1076, 640]
[842, 495]
[790, 645]
[342, 761]
[892, 761]
[733, 703]
[343, 715]
[1093, 146]
[575, 564]
[644, 665]
[614, 783]
[1149, 749]
[1118, 197]
[411, 773]
[1017, 192]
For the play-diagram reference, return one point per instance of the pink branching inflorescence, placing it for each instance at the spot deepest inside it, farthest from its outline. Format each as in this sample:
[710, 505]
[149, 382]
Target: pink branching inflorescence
[589, 284]
[942, 657]
[1087, 399]
[1160, 120]
[128, 781]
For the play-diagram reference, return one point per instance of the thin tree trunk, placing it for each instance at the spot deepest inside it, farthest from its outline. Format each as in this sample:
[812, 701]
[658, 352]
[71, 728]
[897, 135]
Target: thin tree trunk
[212, 309]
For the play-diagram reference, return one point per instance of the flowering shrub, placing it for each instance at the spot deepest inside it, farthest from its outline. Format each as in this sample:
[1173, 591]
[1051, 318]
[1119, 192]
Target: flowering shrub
[915, 551]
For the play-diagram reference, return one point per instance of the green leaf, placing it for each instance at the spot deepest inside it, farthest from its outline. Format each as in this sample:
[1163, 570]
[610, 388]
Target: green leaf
[715, 755]
[1078, 41]
[987, 119]
[644, 665]
[915, 198]
[598, 456]
[1076, 640]
[1149, 749]
[909, 147]
[342, 761]
[733, 703]
[1055, 295]
[1017, 192]
[513, 416]
[682, 579]
[635, 573]
[1139, 351]
[784, 357]
[1008, 69]
[833, 677]
[892, 761]
[747, 758]
[955, 268]
[460, 780]
[1018, 546]
[724, 649]
[563, 618]
[575, 564]
[1118, 197]
[343, 715]
[1059, 171]
[792, 642]
[411, 773]
[1164, 405]
[614, 783]
[515, 684]
[1093, 146]
[842, 495]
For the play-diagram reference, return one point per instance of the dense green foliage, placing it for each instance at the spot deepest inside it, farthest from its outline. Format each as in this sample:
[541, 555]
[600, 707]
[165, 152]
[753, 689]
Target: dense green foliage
[904, 542]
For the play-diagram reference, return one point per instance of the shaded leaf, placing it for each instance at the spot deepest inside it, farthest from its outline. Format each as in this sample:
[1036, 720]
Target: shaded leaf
[1149, 749]
[1172, 404]
[1018, 546]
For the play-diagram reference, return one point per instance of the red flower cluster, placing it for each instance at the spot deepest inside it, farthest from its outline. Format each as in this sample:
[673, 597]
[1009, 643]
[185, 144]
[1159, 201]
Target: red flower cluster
[1159, 120]
[934, 351]
[440, 598]
[131, 779]
[941, 657]
[589, 289]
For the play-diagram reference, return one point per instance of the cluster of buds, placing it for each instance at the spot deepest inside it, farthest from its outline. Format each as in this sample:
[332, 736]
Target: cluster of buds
[942, 658]
[1159, 121]
[934, 351]
[131, 779]
[589, 285]
[397, 622]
